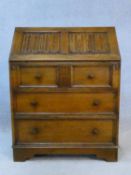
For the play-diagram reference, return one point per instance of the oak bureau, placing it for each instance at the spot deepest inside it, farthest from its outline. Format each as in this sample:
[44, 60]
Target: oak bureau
[65, 85]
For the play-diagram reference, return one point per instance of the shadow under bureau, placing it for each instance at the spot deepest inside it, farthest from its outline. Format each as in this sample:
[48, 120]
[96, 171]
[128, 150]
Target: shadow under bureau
[65, 92]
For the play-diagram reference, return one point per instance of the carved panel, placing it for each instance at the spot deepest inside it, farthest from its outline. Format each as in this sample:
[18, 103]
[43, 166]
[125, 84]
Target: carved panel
[85, 42]
[57, 43]
[64, 76]
[44, 42]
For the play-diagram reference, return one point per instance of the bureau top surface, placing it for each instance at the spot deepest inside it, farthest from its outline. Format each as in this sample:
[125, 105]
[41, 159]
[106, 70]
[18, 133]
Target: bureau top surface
[63, 44]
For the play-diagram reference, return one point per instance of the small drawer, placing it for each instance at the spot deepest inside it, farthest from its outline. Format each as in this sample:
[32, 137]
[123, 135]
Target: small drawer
[98, 75]
[65, 131]
[65, 102]
[38, 76]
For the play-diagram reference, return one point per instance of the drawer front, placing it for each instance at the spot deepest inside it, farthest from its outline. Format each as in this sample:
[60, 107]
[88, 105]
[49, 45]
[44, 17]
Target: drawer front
[65, 102]
[61, 75]
[38, 76]
[91, 75]
[66, 131]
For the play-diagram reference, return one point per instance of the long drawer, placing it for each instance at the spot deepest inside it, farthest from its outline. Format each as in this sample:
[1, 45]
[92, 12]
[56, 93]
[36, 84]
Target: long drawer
[67, 131]
[65, 102]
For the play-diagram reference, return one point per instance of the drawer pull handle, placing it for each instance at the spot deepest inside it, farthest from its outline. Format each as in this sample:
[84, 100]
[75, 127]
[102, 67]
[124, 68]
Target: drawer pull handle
[95, 131]
[34, 103]
[90, 76]
[96, 102]
[38, 76]
[34, 131]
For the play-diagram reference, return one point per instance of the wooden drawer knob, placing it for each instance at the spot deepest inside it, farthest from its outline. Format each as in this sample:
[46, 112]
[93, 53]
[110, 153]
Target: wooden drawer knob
[33, 103]
[95, 131]
[34, 131]
[96, 102]
[90, 76]
[38, 76]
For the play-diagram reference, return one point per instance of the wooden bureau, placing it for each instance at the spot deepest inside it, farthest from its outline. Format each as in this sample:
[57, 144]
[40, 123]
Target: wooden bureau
[65, 92]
